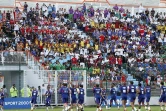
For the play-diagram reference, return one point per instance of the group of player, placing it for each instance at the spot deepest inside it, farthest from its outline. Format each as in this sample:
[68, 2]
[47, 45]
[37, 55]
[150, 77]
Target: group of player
[76, 95]
[100, 94]
[127, 92]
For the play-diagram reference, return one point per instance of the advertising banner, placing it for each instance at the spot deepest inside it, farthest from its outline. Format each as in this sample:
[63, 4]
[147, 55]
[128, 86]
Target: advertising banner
[17, 103]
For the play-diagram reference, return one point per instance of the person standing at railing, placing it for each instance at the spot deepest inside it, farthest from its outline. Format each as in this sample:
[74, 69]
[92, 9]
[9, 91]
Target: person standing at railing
[13, 91]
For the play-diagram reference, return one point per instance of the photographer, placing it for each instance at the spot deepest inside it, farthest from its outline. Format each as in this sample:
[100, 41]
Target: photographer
[13, 91]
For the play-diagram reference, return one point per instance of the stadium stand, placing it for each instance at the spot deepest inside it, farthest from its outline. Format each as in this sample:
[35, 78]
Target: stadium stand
[110, 44]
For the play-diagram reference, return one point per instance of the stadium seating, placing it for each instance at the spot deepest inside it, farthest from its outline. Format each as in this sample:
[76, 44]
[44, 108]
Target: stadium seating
[118, 42]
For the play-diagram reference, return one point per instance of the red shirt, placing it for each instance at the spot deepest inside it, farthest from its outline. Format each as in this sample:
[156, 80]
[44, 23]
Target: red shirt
[12, 22]
[82, 18]
[102, 37]
[116, 38]
[117, 24]
[74, 60]
[22, 29]
[62, 31]
[153, 60]
[108, 25]
[35, 28]
[141, 32]
[86, 28]
[123, 78]
[119, 60]
[113, 38]
[47, 31]
[112, 60]
[28, 30]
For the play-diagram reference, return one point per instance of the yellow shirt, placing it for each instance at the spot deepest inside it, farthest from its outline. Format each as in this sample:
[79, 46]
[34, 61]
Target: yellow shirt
[92, 23]
[56, 45]
[41, 43]
[61, 45]
[159, 27]
[36, 42]
[96, 47]
[70, 49]
[26, 45]
[67, 49]
[96, 71]
[88, 45]
[62, 50]
[65, 45]
[74, 45]
[82, 43]
[113, 26]
[101, 26]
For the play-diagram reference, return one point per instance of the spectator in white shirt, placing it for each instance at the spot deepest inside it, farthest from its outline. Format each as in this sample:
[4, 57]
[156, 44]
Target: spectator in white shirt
[43, 91]
[141, 9]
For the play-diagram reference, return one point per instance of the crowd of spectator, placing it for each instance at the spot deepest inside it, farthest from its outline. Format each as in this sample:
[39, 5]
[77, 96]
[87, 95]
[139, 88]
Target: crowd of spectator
[101, 41]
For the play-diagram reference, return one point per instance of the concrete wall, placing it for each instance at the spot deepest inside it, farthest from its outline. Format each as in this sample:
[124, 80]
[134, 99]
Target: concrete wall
[33, 78]
[12, 77]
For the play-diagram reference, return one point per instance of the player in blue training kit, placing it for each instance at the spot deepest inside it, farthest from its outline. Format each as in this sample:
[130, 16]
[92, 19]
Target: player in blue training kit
[73, 92]
[97, 94]
[1, 99]
[64, 91]
[103, 97]
[132, 94]
[48, 97]
[113, 96]
[81, 94]
[34, 96]
[141, 96]
[124, 92]
[162, 96]
[147, 96]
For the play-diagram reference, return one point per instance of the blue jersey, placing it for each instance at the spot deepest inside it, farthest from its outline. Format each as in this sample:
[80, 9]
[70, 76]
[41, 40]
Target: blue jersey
[141, 91]
[132, 90]
[81, 93]
[97, 92]
[64, 91]
[163, 90]
[147, 91]
[73, 92]
[34, 94]
[48, 95]
[113, 92]
[1, 97]
[123, 90]
[103, 92]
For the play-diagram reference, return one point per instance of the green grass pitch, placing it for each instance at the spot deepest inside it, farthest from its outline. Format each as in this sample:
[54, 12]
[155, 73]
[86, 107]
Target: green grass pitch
[154, 108]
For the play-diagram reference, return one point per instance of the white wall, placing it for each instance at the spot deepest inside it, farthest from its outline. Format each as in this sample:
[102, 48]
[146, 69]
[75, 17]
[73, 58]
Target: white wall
[32, 78]
[7, 2]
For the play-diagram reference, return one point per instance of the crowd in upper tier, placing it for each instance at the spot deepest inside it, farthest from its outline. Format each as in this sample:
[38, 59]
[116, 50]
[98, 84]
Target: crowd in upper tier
[101, 41]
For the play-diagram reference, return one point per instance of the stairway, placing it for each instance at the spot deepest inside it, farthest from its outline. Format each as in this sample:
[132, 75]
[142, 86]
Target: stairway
[130, 77]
